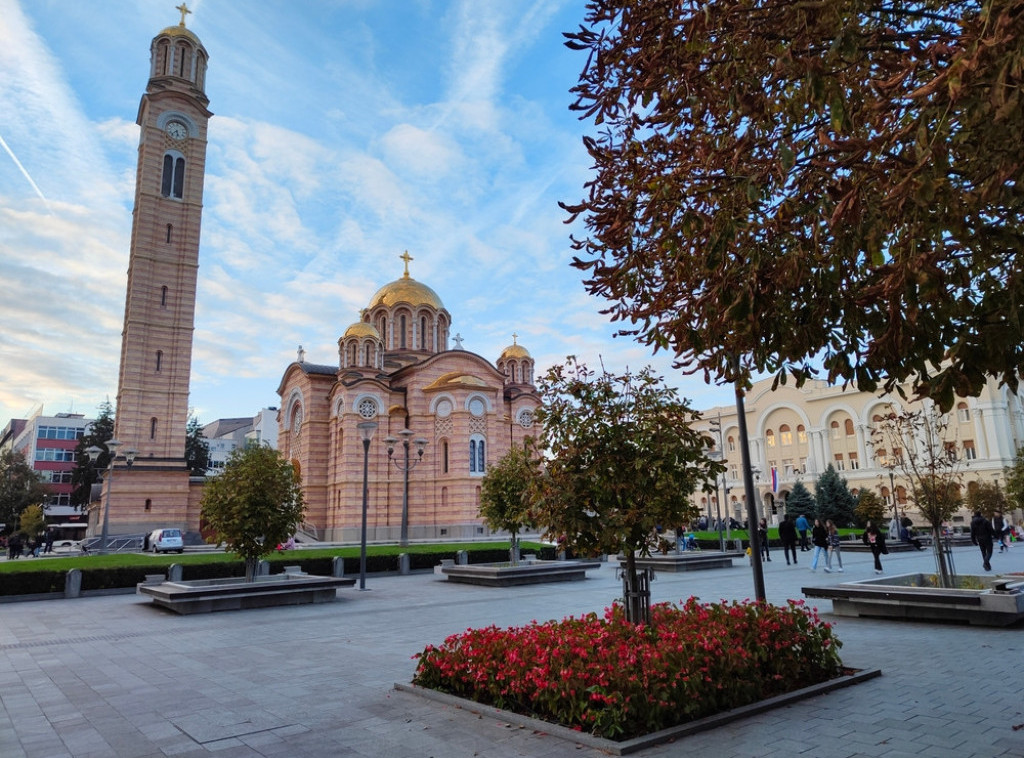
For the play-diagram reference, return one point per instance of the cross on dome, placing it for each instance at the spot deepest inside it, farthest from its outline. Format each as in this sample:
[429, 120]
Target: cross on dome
[184, 10]
[406, 257]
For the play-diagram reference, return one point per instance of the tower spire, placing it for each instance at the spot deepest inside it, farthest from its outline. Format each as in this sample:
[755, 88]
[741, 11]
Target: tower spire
[184, 11]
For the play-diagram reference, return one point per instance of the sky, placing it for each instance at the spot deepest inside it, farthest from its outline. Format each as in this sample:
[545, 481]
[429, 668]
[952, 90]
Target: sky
[344, 133]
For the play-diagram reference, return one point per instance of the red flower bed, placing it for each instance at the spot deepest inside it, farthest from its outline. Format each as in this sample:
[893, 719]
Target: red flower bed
[620, 680]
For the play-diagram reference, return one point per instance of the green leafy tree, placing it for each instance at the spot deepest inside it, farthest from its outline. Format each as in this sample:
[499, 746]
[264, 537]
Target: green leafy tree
[32, 521]
[930, 459]
[505, 494]
[800, 501]
[986, 498]
[197, 449]
[832, 498]
[86, 473]
[851, 155]
[621, 460]
[869, 508]
[20, 487]
[255, 504]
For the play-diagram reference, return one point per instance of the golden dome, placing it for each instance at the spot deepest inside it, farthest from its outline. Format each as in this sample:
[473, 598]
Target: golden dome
[362, 329]
[514, 350]
[406, 290]
[180, 30]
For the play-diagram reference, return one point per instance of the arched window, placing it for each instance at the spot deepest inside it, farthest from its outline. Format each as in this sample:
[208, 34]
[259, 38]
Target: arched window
[444, 457]
[801, 434]
[352, 354]
[731, 442]
[152, 428]
[963, 413]
[769, 438]
[785, 435]
[477, 455]
[149, 503]
[369, 355]
[835, 429]
[170, 228]
[849, 427]
[163, 296]
[173, 183]
[401, 330]
[159, 359]
[423, 333]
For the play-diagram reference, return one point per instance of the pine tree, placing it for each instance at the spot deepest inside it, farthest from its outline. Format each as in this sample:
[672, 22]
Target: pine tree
[86, 472]
[197, 449]
[800, 501]
[833, 498]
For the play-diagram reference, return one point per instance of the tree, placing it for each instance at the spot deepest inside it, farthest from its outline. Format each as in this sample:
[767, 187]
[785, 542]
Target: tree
[833, 499]
[986, 498]
[621, 461]
[32, 521]
[20, 487]
[869, 508]
[197, 449]
[924, 452]
[505, 494]
[851, 155]
[255, 504]
[1015, 481]
[86, 472]
[800, 501]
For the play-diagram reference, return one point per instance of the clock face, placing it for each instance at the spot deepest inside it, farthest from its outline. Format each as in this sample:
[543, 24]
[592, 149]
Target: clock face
[176, 130]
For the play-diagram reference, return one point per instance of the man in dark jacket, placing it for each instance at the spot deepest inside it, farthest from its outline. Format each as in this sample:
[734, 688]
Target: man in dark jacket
[787, 536]
[981, 535]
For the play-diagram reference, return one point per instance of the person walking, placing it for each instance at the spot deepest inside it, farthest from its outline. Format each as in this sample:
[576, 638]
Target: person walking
[762, 536]
[875, 540]
[787, 536]
[834, 551]
[819, 538]
[981, 535]
[999, 530]
[802, 526]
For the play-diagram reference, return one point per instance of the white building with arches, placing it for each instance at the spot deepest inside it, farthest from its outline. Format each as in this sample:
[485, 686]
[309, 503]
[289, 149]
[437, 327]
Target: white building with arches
[795, 433]
[395, 367]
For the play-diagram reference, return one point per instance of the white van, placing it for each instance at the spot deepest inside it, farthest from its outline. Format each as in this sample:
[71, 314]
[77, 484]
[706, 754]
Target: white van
[166, 541]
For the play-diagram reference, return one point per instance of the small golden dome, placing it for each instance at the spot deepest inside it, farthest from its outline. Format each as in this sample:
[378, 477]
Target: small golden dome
[406, 290]
[362, 329]
[515, 350]
[179, 30]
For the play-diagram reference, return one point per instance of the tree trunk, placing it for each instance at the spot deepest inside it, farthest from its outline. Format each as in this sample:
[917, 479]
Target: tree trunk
[636, 591]
[513, 552]
[945, 573]
[251, 567]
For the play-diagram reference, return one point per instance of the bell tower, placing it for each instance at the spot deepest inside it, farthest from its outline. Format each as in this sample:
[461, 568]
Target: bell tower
[159, 314]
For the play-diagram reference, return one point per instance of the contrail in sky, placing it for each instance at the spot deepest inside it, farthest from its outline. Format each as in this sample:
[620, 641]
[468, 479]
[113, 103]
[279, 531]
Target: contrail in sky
[24, 172]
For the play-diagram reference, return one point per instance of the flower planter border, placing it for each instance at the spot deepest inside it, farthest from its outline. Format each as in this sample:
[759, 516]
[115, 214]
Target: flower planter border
[526, 572]
[626, 747]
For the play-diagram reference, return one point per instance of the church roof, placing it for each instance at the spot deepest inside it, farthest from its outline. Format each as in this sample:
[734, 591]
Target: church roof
[362, 329]
[406, 290]
[515, 350]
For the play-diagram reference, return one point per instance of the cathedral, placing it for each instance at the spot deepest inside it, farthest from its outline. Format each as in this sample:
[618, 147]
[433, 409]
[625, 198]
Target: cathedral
[395, 369]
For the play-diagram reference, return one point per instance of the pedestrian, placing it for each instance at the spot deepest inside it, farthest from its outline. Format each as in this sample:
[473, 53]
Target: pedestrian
[14, 547]
[802, 526]
[762, 537]
[894, 528]
[834, 545]
[981, 535]
[906, 536]
[875, 540]
[787, 536]
[50, 536]
[819, 538]
[999, 530]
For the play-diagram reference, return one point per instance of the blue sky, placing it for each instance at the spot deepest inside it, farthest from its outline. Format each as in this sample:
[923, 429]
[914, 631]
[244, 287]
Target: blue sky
[345, 132]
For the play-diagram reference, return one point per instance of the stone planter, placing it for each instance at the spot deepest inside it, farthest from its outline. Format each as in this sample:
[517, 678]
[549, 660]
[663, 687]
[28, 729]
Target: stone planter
[210, 595]
[979, 600]
[527, 572]
[688, 561]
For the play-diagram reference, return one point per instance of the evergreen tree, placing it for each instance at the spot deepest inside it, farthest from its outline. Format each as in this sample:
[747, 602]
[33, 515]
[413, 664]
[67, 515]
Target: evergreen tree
[86, 473]
[800, 501]
[833, 498]
[197, 449]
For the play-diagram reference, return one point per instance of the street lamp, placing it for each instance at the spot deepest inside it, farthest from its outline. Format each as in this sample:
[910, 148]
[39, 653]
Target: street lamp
[94, 452]
[895, 500]
[366, 431]
[716, 424]
[405, 467]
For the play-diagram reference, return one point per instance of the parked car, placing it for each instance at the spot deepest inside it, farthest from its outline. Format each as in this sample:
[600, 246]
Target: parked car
[166, 541]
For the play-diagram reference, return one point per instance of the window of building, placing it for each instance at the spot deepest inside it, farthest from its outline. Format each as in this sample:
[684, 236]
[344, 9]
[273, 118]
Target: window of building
[54, 454]
[785, 435]
[849, 428]
[950, 448]
[367, 408]
[170, 228]
[401, 330]
[732, 444]
[423, 333]
[477, 456]
[734, 471]
[152, 428]
[163, 297]
[835, 430]
[59, 433]
[970, 453]
[149, 503]
[173, 182]
[444, 457]
[839, 463]
[477, 407]
[854, 462]
[159, 359]
[369, 355]
[769, 438]
[801, 435]
[787, 467]
[963, 413]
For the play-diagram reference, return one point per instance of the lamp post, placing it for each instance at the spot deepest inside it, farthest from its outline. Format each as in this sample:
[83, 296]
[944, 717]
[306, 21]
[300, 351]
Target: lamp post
[895, 500]
[366, 431]
[405, 468]
[94, 452]
[716, 424]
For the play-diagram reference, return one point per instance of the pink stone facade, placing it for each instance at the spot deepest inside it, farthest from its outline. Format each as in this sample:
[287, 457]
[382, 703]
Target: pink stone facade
[395, 367]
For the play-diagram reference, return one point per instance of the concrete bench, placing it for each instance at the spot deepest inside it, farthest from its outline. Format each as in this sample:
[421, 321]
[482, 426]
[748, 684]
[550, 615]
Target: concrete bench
[690, 561]
[209, 595]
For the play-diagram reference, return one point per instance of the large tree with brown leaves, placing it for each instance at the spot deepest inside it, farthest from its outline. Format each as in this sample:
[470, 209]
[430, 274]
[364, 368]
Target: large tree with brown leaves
[830, 183]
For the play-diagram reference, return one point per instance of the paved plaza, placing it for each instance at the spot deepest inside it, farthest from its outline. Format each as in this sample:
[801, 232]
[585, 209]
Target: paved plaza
[116, 676]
